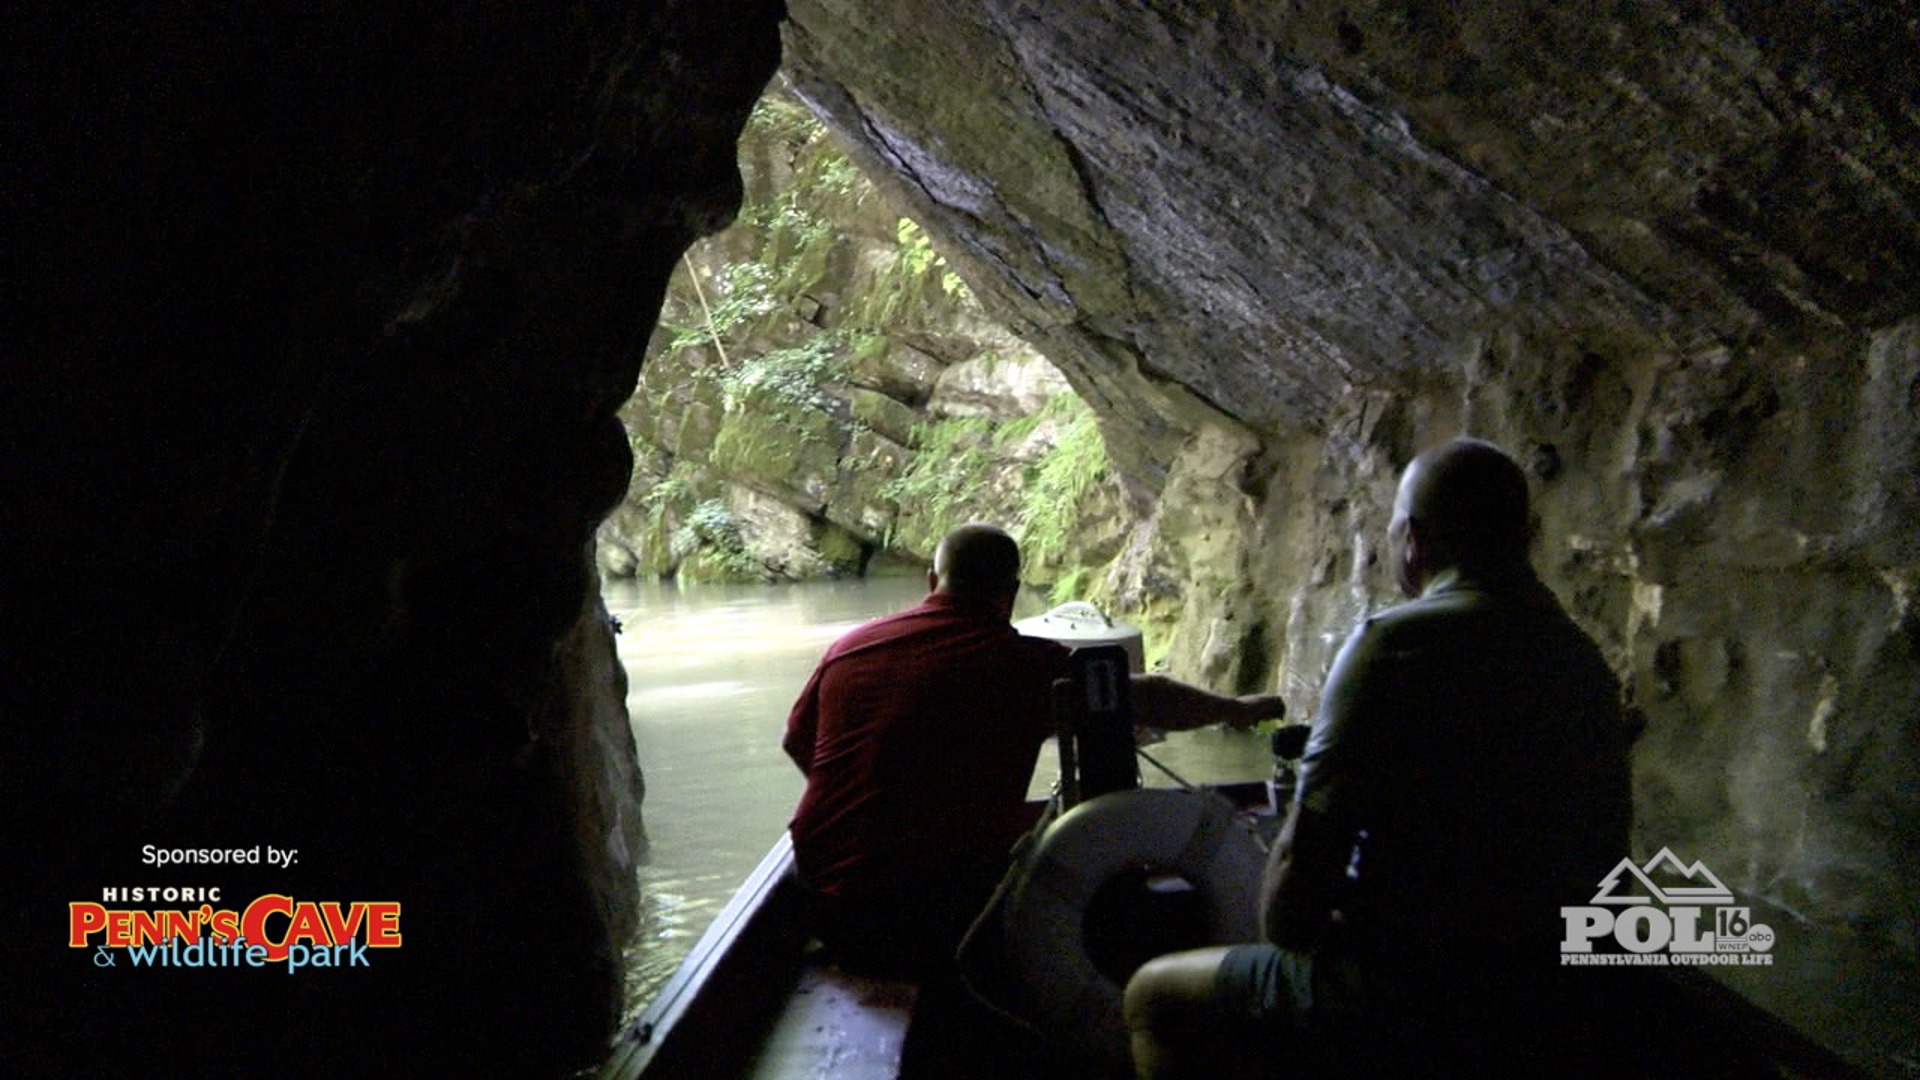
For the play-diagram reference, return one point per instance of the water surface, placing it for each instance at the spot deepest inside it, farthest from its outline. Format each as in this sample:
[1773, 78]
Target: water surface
[712, 671]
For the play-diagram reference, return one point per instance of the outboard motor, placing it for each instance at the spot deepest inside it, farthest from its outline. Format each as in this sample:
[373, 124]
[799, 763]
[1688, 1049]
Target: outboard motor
[1093, 708]
[1080, 625]
[1093, 712]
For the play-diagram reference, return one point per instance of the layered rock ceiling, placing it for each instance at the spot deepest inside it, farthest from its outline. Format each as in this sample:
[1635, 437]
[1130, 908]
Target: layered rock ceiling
[322, 319]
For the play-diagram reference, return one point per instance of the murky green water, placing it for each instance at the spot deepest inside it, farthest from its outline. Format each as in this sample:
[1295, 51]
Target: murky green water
[713, 670]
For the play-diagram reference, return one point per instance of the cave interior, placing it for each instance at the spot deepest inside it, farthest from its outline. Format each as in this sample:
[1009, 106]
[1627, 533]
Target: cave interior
[322, 317]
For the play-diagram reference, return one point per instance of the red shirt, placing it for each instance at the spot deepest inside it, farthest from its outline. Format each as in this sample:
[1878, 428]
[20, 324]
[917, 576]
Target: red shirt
[918, 734]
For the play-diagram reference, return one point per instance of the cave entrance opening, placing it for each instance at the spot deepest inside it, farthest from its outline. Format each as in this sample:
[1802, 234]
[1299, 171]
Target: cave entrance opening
[822, 399]
[825, 396]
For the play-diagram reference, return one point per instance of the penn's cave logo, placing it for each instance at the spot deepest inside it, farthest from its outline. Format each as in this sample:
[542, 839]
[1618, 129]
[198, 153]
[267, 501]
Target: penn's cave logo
[1662, 912]
[193, 932]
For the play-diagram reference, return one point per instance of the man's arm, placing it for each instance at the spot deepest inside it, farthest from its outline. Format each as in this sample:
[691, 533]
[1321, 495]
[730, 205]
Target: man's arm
[1309, 862]
[1297, 892]
[1172, 705]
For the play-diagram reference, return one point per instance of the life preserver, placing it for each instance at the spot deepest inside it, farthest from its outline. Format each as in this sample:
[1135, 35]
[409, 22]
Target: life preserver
[1190, 833]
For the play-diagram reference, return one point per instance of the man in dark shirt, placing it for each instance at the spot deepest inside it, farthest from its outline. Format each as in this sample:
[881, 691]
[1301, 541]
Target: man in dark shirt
[1466, 776]
[918, 735]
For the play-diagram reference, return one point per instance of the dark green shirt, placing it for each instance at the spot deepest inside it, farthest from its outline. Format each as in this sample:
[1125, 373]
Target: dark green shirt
[1471, 743]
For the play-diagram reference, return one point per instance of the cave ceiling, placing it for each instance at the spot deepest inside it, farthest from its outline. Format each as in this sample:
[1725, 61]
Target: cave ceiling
[1272, 205]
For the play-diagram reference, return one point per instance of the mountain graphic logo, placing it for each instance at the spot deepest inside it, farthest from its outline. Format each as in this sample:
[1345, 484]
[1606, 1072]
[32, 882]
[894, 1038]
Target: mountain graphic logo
[1620, 885]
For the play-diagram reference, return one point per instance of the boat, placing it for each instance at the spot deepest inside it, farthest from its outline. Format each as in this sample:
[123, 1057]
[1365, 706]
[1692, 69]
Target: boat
[758, 998]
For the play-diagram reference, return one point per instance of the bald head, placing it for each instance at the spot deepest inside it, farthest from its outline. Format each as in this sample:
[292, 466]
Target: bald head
[1460, 504]
[977, 560]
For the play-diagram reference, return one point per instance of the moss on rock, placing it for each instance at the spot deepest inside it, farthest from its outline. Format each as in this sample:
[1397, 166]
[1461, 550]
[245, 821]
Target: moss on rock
[822, 353]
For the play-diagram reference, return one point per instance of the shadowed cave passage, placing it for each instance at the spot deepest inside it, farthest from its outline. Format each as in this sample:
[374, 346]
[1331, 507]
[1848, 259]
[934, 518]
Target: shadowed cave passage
[322, 319]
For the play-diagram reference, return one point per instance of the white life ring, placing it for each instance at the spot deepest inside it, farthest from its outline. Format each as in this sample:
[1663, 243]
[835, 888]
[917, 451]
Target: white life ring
[1189, 833]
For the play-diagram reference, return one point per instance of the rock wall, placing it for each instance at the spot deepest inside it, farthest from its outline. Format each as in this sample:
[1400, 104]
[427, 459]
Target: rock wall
[825, 394]
[319, 323]
[1668, 253]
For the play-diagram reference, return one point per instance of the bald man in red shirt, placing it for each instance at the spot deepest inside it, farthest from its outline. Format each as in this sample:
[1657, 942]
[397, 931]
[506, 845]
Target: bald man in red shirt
[918, 734]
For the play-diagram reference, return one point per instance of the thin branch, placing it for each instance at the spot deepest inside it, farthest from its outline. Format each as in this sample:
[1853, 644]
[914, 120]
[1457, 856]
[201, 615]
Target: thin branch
[701, 294]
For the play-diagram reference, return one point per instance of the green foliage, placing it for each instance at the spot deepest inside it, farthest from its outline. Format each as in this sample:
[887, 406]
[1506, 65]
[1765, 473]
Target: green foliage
[797, 373]
[1070, 586]
[952, 459]
[742, 293]
[794, 242]
[767, 438]
[785, 215]
[777, 117]
[709, 523]
[665, 503]
[918, 284]
[767, 382]
[1009, 434]
[955, 461]
[663, 496]
[709, 546]
[1051, 507]
[916, 247]
[917, 258]
[837, 175]
[864, 345]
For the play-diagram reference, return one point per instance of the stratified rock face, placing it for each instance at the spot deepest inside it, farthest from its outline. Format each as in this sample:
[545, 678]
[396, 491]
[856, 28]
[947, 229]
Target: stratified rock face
[1669, 254]
[319, 321]
[823, 392]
